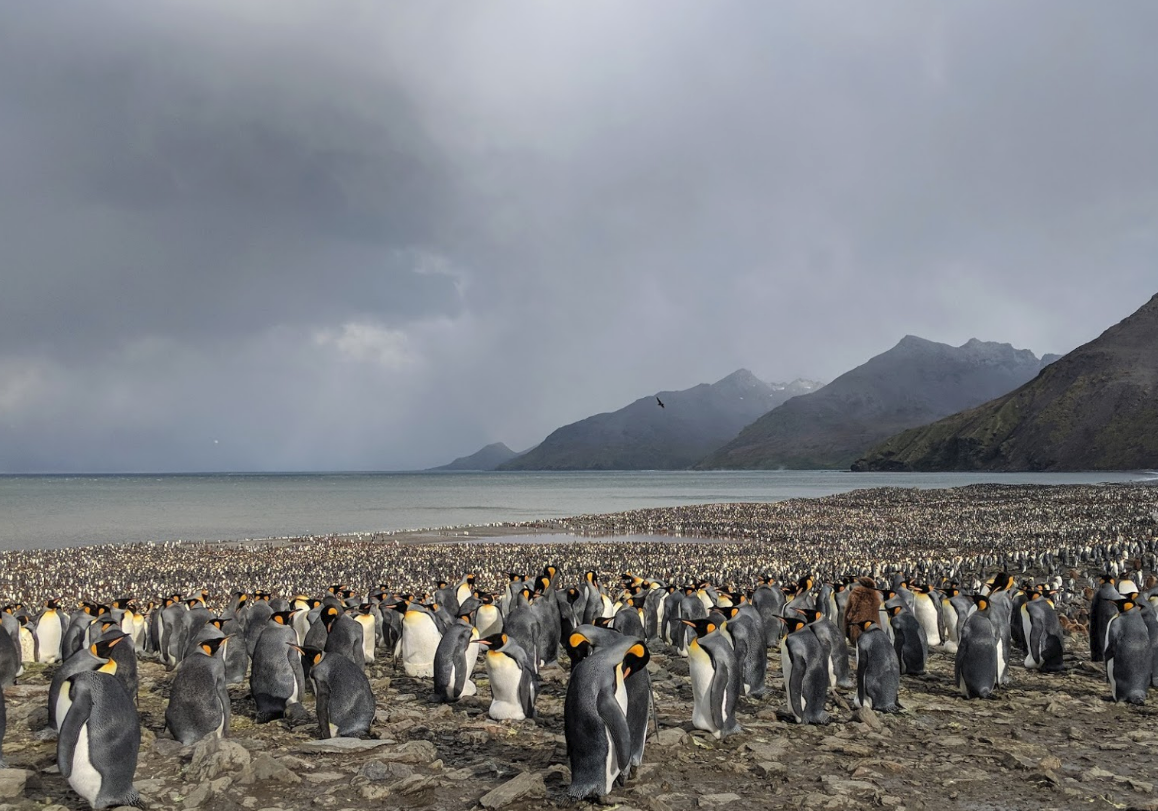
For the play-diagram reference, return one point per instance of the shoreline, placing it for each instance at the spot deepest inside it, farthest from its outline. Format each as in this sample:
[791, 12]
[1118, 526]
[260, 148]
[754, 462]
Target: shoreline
[968, 530]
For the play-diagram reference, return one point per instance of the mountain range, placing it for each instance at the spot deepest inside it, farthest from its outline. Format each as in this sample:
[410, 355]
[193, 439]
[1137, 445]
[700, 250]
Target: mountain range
[915, 382]
[645, 436]
[1094, 409]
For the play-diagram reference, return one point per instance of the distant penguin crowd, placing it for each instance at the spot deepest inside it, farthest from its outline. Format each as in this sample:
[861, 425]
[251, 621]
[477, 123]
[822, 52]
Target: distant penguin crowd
[287, 647]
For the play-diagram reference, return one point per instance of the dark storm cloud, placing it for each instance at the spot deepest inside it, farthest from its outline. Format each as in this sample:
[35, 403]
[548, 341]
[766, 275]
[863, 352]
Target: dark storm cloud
[378, 235]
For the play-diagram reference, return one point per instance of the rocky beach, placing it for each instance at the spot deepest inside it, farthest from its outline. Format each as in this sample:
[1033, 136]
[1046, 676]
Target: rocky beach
[1046, 740]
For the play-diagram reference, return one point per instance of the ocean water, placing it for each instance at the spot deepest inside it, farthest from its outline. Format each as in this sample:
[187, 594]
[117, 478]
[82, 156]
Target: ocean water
[55, 511]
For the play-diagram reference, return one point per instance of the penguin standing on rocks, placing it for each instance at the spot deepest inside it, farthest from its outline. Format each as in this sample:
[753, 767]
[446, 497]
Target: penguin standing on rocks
[595, 714]
[878, 669]
[747, 629]
[587, 638]
[50, 628]
[344, 635]
[909, 640]
[454, 661]
[1102, 610]
[345, 703]
[1042, 631]
[1129, 663]
[276, 679]
[199, 701]
[926, 611]
[715, 676]
[100, 740]
[512, 676]
[975, 666]
[805, 662]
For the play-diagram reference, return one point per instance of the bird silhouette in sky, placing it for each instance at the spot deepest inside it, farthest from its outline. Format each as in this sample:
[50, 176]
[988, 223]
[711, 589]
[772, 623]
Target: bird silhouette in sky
[661, 405]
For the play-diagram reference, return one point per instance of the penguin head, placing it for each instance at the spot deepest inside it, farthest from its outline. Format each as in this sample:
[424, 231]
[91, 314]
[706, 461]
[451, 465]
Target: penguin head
[804, 584]
[217, 622]
[194, 602]
[1107, 579]
[601, 622]
[635, 659]
[793, 624]
[894, 610]
[703, 627]
[589, 576]
[485, 597]
[981, 601]
[515, 577]
[542, 584]
[572, 595]
[103, 648]
[281, 617]
[549, 572]
[210, 646]
[810, 615]
[494, 642]
[1126, 604]
[329, 614]
[577, 645]
[868, 625]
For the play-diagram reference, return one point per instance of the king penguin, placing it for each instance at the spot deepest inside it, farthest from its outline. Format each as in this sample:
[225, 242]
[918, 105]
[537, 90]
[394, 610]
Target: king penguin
[50, 632]
[878, 670]
[345, 703]
[512, 678]
[1102, 609]
[747, 629]
[975, 665]
[98, 656]
[199, 700]
[276, 679]
[1042, 631]
[454, 661]
[1129, 663]
[909, 640]
[805, 665]
[716, 680]
[100, 740]
[595, 713]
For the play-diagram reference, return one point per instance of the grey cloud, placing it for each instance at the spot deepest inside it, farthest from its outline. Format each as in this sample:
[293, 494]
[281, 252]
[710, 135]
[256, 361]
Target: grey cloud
[551, 208]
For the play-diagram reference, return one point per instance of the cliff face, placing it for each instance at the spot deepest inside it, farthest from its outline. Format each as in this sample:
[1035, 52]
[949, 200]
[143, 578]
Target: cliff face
[913, 383]
[1094, 409]
[644, 436]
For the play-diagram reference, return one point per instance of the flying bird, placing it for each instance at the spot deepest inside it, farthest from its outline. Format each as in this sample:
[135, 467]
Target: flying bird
[661, 405]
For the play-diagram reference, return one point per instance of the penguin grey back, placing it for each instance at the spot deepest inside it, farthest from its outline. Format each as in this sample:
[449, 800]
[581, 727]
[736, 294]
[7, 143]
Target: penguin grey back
[345, 703]
[102, 770]
[878, 671]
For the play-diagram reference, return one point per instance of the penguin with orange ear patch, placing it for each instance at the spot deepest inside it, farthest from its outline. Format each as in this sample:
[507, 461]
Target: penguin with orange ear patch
[199, 700]
[716, 680]
[345, 703]
[596, 711]
[805, 664]
[276, 679]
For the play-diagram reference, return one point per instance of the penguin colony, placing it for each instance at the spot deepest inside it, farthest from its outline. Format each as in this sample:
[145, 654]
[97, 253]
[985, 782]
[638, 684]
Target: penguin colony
[287, 645]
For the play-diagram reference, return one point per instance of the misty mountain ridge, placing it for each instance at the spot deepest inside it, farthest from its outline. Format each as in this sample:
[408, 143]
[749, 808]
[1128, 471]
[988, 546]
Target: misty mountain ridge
[487, 458]
[1096, 408]
[915, 382]
[645, 436]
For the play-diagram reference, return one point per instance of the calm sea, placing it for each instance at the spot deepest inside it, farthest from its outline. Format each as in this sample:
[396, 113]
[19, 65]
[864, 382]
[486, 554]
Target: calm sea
[51, 511]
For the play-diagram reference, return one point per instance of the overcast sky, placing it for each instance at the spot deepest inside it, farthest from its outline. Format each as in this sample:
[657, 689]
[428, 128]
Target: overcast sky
[367, 235]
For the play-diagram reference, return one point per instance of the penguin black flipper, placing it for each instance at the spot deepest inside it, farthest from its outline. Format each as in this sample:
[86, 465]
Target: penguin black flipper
[616, 723]
[796, 686]
[322, 708]
[719, 690]
[77, 716]
[527, 693]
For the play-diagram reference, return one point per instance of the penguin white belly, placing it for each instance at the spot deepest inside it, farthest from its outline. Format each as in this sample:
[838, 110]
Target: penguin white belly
[84, 778]
[702, 672]
[333, 730]
[610, 770]
[612, 765]
[927, 616]
[488, 620]
[1031, 660]
[1110, 678]
[420, 638]
[27, 645]
[608, 607]
[505, 674]
[48, 634]
[470, 656]
[786, 669]
[368, 630]
[1000, 661]
[301, 624]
